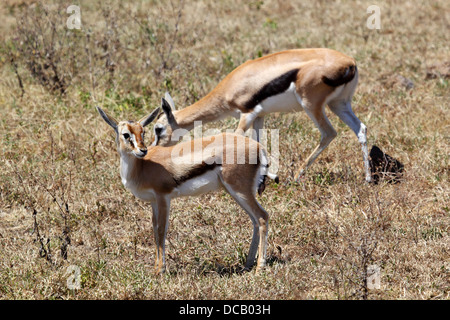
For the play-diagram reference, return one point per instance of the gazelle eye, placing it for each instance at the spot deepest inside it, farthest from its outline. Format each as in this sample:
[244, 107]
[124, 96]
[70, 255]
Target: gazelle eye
[126, 136]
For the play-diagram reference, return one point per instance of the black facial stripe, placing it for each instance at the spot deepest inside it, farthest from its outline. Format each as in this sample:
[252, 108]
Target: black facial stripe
[274, 87]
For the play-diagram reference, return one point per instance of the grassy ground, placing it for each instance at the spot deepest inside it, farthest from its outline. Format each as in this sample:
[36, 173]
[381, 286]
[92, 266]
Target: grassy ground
[61, 194]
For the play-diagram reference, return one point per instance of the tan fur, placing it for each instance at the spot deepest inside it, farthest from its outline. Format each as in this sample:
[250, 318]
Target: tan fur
[158, 171]
[245, 80]
[158, 177]
[231, 94]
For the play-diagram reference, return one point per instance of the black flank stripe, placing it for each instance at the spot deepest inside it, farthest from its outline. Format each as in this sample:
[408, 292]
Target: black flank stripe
[274, 87]
[197, 171]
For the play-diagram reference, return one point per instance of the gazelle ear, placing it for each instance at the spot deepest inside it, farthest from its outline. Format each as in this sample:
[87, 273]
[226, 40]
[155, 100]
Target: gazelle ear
[170, 100]
[108, 119]
[149, 119]
[168, 111]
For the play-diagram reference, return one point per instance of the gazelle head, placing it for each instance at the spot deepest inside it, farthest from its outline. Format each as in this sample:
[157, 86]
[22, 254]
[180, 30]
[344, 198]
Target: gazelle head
[130, 134]
[165, 126]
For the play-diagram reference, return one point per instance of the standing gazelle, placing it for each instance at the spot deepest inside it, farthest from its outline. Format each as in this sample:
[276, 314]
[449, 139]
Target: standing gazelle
[287, 81]
[159, 174]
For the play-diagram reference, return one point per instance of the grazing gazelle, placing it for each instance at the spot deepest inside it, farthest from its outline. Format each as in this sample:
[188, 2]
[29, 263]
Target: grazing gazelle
[287, 81]
[159, 174]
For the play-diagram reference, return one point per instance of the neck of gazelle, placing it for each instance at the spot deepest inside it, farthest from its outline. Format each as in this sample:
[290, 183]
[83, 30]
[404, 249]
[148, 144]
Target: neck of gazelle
[210, 108]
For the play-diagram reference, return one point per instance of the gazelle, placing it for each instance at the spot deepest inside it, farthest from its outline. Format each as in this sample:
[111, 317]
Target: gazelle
[288, 81]
[159, 174]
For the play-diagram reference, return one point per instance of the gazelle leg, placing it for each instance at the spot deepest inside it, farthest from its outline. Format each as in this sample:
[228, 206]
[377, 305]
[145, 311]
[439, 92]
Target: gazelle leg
[258, 125]
[327, 133]
[344, 111]
[263, 232]
[254, 245]
[260, 220]
[160, 221]
[247, 119]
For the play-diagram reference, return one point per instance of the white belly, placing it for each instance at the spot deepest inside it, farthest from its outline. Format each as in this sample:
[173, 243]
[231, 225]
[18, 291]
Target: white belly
[204, 183]
[283, 102]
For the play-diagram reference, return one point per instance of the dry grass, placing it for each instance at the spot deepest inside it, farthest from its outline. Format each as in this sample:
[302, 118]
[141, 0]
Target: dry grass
[58, 158]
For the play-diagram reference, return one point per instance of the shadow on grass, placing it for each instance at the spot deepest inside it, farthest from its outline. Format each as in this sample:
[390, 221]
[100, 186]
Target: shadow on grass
[239, 269]
[320, 178]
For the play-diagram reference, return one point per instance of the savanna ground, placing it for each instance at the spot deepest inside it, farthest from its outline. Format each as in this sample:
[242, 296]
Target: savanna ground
[63, 208]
